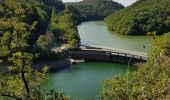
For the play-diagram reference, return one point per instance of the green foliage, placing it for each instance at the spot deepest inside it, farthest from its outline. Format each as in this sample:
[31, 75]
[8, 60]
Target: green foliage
[5, 42]
[74, 43]
[93, 9]
[152, 81]
[69, 28]
[42, 17]
[53, 23]
[42, 46]
[141, 17]
[26, 11]
[39, 13]
[161, 47]
[26, 83]
[65, 28]
[52, 95]
[21, 82]
[58, 4]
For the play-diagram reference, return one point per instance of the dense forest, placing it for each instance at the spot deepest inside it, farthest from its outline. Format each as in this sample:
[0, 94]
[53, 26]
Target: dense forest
[46, 16]
[141, 17]
[93, 9]
[22, 22]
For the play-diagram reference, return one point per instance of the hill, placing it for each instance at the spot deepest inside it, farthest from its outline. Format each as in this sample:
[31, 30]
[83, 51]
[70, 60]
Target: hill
[47, 22]
[93, 9]
[141, 17]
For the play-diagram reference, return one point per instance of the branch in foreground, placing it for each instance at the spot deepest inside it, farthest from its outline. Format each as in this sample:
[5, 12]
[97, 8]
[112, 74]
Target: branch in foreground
[10, 96]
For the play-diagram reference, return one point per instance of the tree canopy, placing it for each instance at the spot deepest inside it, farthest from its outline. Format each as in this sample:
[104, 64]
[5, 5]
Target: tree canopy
[94, 9]
[17, 24]
[141, 17]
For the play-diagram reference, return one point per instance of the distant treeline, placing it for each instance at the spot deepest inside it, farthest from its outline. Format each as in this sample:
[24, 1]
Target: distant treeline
[87, 10]
[142, 17]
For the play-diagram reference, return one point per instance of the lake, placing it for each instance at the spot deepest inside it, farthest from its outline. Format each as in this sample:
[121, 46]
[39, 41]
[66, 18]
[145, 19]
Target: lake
[95, 33]
[85, 80]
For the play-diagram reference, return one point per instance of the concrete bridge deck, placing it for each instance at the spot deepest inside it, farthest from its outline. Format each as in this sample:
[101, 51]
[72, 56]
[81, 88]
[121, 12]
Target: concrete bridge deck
[91, 53]
[114, 50]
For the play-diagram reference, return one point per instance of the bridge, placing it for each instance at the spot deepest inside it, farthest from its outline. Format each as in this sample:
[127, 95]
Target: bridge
[95, 53]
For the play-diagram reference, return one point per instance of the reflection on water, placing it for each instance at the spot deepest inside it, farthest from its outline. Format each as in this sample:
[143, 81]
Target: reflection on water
[95, 33]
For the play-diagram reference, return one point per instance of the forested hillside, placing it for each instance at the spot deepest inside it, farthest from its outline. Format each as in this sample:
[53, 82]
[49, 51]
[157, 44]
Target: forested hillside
[54, 23]
[51, 21]
[142, 17]
[28, 12]
[93, 9]
[150, 82]
[21, 23]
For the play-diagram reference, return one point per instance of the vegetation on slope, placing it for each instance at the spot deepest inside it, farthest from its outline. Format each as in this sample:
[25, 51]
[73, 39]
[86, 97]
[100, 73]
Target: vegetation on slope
[64, 27]
[57, 4]
[29, 12]
[93, 9]
[52, 24]
[142, 17]
[61, 30]
[151, 82]
[21, 82]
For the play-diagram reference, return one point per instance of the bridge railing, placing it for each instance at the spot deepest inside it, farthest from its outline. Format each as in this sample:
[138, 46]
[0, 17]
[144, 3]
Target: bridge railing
[84, 47]
[78, 51]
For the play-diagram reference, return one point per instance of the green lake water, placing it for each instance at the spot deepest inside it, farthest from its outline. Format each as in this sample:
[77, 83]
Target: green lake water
[95, 33]
[85, 79]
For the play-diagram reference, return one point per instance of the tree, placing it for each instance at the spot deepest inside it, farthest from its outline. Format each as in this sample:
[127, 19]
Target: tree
[41, 46]
[21, 81]
[23, 78]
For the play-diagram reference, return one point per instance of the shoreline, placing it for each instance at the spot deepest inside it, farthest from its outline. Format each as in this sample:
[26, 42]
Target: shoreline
[57, 65]
[52, 65]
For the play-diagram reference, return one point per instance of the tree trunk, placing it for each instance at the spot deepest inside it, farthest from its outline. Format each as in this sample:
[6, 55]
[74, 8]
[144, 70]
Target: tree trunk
[25, 84]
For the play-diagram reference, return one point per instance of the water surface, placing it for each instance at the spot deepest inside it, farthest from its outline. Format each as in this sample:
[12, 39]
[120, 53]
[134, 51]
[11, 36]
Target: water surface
[84, 80]
[95, 33]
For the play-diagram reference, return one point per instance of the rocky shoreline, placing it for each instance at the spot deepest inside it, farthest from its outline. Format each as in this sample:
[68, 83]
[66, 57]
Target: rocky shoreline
[52, 65]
